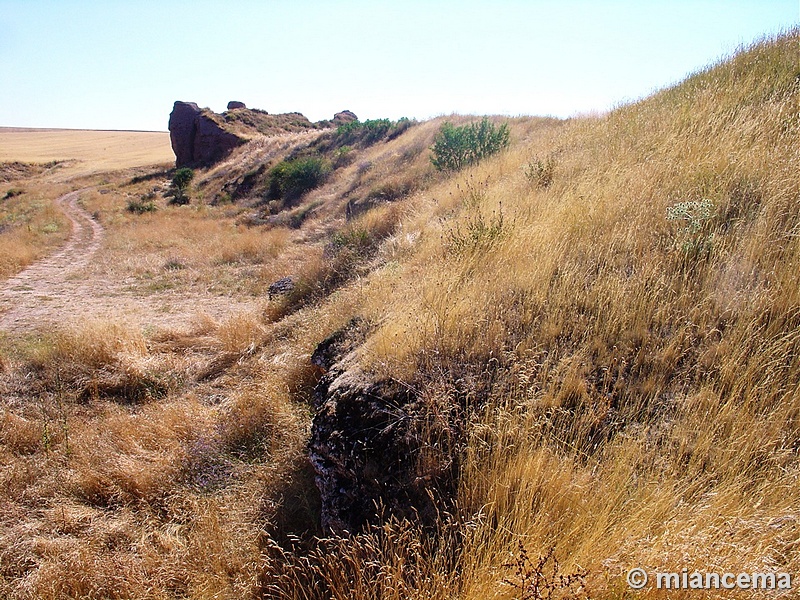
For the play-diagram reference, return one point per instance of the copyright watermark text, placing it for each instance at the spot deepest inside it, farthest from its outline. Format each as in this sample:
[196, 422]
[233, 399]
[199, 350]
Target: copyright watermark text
[695, 580]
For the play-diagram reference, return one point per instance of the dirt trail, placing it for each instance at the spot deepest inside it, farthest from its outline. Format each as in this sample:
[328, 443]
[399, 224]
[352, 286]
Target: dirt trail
[63, 288]
[31, 295]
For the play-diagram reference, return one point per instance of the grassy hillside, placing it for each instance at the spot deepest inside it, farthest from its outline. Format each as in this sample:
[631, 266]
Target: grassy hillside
[601, 325]
[646, 413]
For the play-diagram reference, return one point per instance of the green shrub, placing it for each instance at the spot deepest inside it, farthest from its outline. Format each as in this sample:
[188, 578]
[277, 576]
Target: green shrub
[457, 147]
[143, 204]
[695, 237]
[291, 179]
[376, 129]
[540, 172]
[403, 124]
[348, 133]
[180, 186]
[355, 238]
[370, 131]
[13, 192]
[182, 178]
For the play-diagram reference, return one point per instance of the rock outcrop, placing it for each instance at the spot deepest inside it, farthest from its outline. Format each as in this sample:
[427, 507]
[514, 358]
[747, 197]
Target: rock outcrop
[345, 116]
[365, 447]
[197, 138]
[282, 287]
[182, 131]
[201, 137]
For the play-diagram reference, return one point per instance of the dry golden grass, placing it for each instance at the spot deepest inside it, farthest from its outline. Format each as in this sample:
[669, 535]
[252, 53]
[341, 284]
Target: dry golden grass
[650, 416]
[31, 226]
[91, 151]
[632, 381]
[180, 249]
[119, 495]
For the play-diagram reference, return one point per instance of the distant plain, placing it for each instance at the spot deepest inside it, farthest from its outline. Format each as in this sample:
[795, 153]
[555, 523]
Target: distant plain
[92, 151]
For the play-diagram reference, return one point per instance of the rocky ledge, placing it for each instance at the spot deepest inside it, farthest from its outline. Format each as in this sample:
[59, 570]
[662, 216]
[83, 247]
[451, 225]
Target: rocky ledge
[197, 138]
[201, 137]
[372, 446]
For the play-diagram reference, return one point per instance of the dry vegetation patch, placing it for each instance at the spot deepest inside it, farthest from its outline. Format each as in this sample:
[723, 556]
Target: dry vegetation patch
[30, 225]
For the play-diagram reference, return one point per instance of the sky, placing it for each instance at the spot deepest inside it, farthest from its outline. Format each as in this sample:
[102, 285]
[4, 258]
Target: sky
[121, 65]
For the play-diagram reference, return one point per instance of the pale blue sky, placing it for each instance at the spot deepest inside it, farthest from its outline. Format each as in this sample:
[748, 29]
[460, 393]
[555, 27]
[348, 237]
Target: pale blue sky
[120, 65]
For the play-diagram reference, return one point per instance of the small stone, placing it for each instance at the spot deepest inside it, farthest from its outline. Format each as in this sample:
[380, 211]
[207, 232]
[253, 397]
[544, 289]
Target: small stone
[281, 287]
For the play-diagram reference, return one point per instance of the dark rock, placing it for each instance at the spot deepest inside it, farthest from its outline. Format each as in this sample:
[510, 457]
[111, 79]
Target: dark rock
[345, 116]
[182, 130]
[365, 447]
[201, 137]
[337, 345]
[281, 287]
[244, 185]
[211, 142]
[197, 139]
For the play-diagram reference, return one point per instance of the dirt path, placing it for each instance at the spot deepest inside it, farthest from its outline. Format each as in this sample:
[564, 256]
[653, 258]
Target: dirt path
[31, 296]
[63, 288]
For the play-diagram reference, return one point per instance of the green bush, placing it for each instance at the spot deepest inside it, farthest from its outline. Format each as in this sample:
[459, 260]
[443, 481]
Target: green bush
[291, 179]
[370, 131]
[354, 238]
[143, 204]
[695, 237]
[457, 147]
[180, 186]
[182, 178]
[400, 127]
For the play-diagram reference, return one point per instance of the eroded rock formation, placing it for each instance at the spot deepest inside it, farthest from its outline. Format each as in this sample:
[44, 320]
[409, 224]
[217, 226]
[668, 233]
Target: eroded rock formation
[367, 444]
[201, 137]
[344, 116]
[196, 136]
